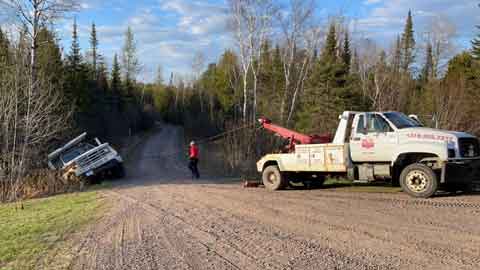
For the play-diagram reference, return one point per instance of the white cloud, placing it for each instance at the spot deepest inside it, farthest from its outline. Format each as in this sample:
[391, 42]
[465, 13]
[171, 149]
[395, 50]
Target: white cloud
[198, 18]
[168, 35]
[371, 2]
[85, 5]
[388, 18]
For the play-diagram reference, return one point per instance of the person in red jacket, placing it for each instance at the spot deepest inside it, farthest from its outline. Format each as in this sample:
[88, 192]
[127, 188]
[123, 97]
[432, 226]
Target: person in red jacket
[193, 164]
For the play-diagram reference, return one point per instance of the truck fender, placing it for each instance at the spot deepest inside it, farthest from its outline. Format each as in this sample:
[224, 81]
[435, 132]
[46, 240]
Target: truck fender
[266, 161]
[439, 149]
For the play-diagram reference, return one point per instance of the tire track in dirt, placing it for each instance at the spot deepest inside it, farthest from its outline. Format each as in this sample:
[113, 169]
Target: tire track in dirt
[232, 248]
[162, 220]
[464, 253]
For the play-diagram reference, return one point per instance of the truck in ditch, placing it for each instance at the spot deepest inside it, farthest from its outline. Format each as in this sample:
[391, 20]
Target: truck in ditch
[372, 146]
[86, 159]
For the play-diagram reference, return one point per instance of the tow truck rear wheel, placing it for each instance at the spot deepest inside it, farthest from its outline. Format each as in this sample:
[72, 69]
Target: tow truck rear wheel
[419, 180]
[273, 179]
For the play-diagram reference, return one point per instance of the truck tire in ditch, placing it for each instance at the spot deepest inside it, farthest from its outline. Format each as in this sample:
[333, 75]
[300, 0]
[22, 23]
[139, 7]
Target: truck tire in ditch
[273, 179]
[119, 171]
[419, 180]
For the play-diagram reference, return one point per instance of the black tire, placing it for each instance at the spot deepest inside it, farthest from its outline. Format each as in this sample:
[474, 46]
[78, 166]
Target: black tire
[119, 171]
[419, 180]
[273, 179]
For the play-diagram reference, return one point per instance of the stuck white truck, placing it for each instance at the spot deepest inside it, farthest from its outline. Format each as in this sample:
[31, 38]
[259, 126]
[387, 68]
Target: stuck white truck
[80, 158]
[369, 146]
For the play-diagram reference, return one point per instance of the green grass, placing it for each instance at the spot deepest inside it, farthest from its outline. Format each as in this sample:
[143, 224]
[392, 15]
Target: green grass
[347, 185]
[27, 235]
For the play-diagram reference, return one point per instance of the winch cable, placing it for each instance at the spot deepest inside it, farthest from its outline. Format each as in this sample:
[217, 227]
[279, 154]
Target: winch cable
[204, 141]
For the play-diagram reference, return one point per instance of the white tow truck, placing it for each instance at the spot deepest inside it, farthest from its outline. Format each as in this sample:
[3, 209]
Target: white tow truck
[80, 158]
[370, 146]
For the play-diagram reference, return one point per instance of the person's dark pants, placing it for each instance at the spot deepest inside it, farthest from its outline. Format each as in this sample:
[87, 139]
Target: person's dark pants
[193, 166]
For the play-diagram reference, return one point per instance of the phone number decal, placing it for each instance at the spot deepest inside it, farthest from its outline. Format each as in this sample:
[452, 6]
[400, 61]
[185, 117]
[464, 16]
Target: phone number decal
[430, 137]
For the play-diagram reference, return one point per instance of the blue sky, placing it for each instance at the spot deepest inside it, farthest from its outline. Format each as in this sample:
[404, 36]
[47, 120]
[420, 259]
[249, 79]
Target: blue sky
[170, 32]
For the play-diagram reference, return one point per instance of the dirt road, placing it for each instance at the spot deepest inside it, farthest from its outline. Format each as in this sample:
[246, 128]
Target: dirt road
[162, 220]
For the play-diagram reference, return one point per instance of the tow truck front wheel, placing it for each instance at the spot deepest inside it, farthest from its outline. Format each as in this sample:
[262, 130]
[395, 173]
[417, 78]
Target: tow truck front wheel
[273, 179]
[419, 180]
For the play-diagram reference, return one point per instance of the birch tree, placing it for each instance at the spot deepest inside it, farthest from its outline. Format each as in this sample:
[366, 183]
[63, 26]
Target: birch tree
[440, 34]
[131, 64]
[28, 120]
[32, 15]
[251, 24]
[298, 33]
[198, 62]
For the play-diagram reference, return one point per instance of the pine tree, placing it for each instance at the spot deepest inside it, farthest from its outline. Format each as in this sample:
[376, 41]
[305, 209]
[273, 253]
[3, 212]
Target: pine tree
[130, 61]
[159, 78]
[346, 53]
[329, 89]
[408, 44]
[330, 50]
[476, 46]
[94, 50]
[5, 53]
[355, 62]
[427, 70]
[170, 82]
[277, 56]
[76, 79]
[382, 59]
[278, 72]
[75, 57]
[397, 55]
[116, 81]
[49, 56]
[102, 75]
[265, 53]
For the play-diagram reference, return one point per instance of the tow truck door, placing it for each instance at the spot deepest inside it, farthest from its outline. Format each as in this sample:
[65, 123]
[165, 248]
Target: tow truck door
[358, 137]
[372, 139]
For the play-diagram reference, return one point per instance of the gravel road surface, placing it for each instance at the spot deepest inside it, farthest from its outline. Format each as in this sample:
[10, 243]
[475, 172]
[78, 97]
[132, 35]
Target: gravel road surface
[161, 219]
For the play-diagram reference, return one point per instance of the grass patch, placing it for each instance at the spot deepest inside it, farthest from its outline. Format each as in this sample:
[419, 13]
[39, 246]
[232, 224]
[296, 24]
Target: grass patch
[347, 185]
[27, 235]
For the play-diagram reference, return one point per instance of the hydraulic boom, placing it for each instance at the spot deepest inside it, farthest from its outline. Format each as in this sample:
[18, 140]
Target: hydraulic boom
[294, 136]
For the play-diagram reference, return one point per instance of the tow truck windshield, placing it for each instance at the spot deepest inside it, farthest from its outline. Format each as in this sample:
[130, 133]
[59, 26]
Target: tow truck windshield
[401, 121]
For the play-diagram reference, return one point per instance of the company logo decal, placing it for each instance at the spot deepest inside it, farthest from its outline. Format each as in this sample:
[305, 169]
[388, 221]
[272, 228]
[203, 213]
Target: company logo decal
[368, 143]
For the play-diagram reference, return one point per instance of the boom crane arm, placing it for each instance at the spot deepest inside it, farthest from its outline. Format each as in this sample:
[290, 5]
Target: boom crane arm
[285, 133]
[293, 136]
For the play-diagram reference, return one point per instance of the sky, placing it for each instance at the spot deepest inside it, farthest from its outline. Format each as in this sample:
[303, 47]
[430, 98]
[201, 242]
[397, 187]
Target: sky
[170, 32]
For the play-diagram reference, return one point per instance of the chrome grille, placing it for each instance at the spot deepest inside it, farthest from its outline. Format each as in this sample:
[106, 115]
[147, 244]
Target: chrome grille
[93, 157]
[469, 147]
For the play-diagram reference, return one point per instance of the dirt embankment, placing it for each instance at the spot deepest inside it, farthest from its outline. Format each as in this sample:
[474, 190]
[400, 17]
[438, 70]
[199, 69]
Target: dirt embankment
[161, 219]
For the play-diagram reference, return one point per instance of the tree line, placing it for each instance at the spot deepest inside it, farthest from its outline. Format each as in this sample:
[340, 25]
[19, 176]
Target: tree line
[285, 65]
[303, 75]
[48, 97]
